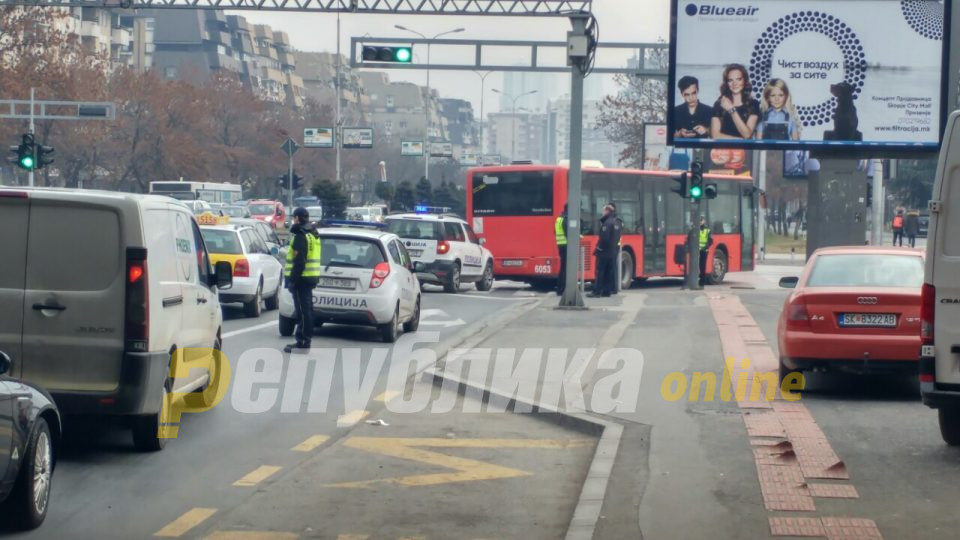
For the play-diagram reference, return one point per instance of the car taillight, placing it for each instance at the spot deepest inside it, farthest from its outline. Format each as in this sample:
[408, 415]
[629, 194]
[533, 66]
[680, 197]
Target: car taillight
[928, 298]
[380, 273]
[241, 268]
[443, 247]
[797, 316]
[136, 324]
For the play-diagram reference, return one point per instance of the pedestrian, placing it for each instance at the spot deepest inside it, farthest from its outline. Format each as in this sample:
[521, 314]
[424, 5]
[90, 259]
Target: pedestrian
[705, 240]
[911, 227]
[560, 232]
[898, 227]
[301, 274]
[606, 253]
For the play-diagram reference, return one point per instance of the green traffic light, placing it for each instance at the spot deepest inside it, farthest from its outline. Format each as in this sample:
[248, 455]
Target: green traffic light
[696, 192]
[403, 54]
[26, 162]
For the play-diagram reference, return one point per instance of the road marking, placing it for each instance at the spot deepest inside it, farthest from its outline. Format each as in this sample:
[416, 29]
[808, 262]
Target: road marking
[252, 535]
[311, 443]
[351, 418]
[256, 476]
[387, 396]
[353, 536]
[467, 470]
[248, 329]
[184, 523]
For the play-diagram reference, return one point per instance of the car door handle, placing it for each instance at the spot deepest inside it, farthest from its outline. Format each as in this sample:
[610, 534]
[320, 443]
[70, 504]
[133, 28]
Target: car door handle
[54, 307]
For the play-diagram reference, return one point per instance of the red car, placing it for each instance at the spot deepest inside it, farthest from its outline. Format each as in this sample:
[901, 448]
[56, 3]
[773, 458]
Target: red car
[270, 212]
[853, 309]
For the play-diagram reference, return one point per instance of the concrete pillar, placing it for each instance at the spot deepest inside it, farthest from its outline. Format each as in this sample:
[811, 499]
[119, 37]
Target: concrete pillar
[836, 205]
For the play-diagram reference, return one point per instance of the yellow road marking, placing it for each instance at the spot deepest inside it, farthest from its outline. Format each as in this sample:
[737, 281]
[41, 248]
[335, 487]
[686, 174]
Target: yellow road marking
[252, 535]
[466, 469]
[310, 443]
[187, 521]
[256, 476]
[351, 418]
[387, 396]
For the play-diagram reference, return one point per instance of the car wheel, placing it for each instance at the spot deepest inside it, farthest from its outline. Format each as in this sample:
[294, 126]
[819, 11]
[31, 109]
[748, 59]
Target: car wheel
[146, 428]
[414, 322]
[287, 326]
[950, 425]
[719, 268]
[486, 282]
[213, 381]
[252, 308]
[273, 302]
[390, 331]
[31, 493]
[784, 371]
[452, 284]
[627, 268]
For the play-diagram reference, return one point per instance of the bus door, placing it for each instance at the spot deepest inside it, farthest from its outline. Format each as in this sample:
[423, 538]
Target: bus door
[653, 194]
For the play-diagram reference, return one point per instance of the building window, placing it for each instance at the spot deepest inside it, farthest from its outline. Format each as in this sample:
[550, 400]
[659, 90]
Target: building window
[390, 101]
[170, 72]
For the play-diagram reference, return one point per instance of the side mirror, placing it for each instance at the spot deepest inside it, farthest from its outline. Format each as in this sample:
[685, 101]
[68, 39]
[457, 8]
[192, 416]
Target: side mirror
[419, 266]
[482, 241]
[789, 282]
[5, 362]
[274, 250]
[224, 274]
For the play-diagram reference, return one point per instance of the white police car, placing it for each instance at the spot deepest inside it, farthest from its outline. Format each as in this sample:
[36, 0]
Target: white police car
[447, 247]
[366, 278]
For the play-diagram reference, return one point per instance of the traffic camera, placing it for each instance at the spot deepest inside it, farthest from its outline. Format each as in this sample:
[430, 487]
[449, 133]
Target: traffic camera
[400, 55]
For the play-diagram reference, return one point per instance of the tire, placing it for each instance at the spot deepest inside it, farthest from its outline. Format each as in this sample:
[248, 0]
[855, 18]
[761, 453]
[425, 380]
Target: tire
[452, 283]
[720, 265]
[391, 331]
[627, 268]
[486, 282]
[287, 326]
[949, 425]
[414, 322]
[273, 303]
[253, 308]
[214, 379]
[783, 371]
[146, 427]
[30, 498]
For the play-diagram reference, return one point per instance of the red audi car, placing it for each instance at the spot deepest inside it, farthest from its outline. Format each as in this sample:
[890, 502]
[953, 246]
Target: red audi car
[853, 309]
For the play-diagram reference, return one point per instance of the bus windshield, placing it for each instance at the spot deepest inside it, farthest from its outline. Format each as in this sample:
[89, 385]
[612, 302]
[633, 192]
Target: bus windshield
[526, 193]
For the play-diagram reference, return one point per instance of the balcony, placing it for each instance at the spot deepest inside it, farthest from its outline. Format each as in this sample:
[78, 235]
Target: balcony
[90, 28]
[120, 36]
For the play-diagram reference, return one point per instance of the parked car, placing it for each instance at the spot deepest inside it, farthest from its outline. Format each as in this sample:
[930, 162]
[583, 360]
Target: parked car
[235, 211]
[257, 274]
[853, 309]
[268, 235]
[270, 212]
[96, 289]
[29, 441]
[198, 207]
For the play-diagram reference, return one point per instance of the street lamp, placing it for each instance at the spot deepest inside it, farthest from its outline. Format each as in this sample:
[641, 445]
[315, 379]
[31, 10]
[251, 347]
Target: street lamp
[426, 102]
[483, 79]
[513, 119]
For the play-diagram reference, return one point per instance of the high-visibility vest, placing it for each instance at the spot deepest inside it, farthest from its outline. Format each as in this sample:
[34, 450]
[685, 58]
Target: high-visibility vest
[312, 268]
[558, 231]
[704, 238]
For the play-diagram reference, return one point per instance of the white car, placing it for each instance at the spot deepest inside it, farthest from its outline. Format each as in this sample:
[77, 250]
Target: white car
[366, 279]
[448, 249]
[257, 274]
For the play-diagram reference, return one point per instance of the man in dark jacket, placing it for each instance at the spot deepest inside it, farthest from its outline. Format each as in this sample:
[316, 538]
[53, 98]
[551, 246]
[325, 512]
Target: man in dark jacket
[704, 241]
[608, 247]
[560, 233]
[911, 227]
[302, 273]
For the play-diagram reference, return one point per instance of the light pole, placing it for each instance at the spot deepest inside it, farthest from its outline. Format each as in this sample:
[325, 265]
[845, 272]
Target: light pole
[426, 102]
[336, 88]
[483, 79]
[513, 119]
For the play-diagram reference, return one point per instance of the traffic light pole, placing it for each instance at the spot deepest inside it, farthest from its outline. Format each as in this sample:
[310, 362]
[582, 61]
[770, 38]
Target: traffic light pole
[692, 271]
[290, 180]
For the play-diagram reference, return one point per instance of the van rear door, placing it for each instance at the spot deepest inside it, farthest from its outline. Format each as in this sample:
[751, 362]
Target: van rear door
[74, 299]
[14, 217]
[943, 268]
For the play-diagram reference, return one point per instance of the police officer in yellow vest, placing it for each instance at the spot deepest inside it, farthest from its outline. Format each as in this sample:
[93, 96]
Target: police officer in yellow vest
[301, 274]
[705, 241]
[560, 232]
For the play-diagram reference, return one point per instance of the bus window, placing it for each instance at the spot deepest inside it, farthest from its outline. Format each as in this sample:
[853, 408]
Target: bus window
[527, 193]
[625, 193]
[723, 212]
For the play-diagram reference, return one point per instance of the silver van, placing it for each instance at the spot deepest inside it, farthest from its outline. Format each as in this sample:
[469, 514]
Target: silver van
[97, 289]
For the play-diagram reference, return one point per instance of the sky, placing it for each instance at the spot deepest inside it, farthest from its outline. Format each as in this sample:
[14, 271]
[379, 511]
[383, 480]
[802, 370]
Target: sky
[630, 21]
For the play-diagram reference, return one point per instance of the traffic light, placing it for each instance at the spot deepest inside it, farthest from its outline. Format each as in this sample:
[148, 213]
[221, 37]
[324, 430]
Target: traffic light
[44, 155]
[283, 181]
[710, 191]
[24, 154]
[297, 181]
[696, 181]
[375, 53]
[681, 187]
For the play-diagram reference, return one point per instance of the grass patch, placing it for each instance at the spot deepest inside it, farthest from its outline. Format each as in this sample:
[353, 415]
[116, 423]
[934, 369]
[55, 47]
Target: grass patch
[776, 243]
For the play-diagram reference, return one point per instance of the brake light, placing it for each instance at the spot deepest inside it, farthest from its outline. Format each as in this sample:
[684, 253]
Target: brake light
[136, 323]
[797, 315]
[241, 268]
[380, 273]
[928, 298]
[443, 247]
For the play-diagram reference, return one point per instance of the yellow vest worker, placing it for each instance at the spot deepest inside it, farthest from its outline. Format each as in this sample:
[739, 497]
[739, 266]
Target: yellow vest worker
[302, 273]
[559, 230]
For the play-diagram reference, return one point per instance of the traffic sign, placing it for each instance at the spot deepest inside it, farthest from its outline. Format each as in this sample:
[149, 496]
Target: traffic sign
[290, 147]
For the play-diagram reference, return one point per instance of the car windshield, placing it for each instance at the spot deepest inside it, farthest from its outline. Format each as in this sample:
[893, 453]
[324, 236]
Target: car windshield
[222, 241]
[261, 209]
[415, 229]
[350, 252]
[233, 211]
[867, 270]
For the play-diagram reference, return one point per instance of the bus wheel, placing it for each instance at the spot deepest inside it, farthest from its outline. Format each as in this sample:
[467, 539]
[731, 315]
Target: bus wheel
[719, 267]
[626, 270]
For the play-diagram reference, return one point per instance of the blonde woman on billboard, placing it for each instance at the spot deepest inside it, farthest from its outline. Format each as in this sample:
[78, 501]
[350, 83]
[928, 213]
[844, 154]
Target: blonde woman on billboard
[778, 116]
[736, 113]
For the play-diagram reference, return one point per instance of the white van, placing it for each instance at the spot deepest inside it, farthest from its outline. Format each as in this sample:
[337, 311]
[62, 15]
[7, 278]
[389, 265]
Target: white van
[96, 291]
[940, 298]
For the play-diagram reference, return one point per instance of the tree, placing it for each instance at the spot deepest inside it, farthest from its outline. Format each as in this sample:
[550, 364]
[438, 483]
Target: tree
[913, 185]
[332, 198]
[424, 191]
[404, 196]
[385, 192]
[443, 196]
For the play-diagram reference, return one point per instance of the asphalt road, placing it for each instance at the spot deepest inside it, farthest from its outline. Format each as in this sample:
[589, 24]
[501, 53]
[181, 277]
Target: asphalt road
[103, 488]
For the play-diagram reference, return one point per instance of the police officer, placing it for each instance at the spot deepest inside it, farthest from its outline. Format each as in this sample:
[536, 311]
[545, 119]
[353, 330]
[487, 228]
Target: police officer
[302, 272]
[606, 252]
[705, 240]
[560, 232]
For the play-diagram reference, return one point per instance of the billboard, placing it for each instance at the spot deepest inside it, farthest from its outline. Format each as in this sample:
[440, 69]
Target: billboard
[441, 149]
[735, 161]
[656, 153]
[470, 158]
[357, 137]
[816, 74]
[411, 148]
[318, 137]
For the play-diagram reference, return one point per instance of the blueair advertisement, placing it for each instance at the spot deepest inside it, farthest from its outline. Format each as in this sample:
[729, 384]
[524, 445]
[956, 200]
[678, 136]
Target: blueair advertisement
[814, 74]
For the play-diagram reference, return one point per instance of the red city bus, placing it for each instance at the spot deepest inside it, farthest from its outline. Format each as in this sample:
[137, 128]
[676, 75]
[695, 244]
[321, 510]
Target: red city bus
[513, 209]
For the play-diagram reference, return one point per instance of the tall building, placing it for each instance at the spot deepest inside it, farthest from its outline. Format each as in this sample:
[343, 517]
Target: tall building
[521, 136]
[546, 86]
[396, 108]
[113, 35]
[596, 145]
[319, 71]
[461, 128]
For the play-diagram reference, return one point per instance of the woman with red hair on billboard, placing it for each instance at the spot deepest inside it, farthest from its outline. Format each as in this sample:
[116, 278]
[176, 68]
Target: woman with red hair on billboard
[736, 113]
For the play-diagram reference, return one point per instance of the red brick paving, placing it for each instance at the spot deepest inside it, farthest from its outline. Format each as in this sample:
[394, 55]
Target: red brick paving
[833, 491]
[796, 526]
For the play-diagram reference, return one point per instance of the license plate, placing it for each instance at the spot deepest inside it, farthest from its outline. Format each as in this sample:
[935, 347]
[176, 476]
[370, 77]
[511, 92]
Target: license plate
[513, 262]
[337, 283]
[885, 320]
[416, 253]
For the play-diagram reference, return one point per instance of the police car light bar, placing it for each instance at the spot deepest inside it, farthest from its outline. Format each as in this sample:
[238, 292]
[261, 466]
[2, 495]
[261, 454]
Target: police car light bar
[424, 209]
[349, 223]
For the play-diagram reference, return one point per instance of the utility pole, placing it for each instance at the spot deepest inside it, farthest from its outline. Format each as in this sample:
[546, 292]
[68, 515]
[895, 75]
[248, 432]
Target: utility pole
[761, 213]
[876, 226]
[336, 86]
